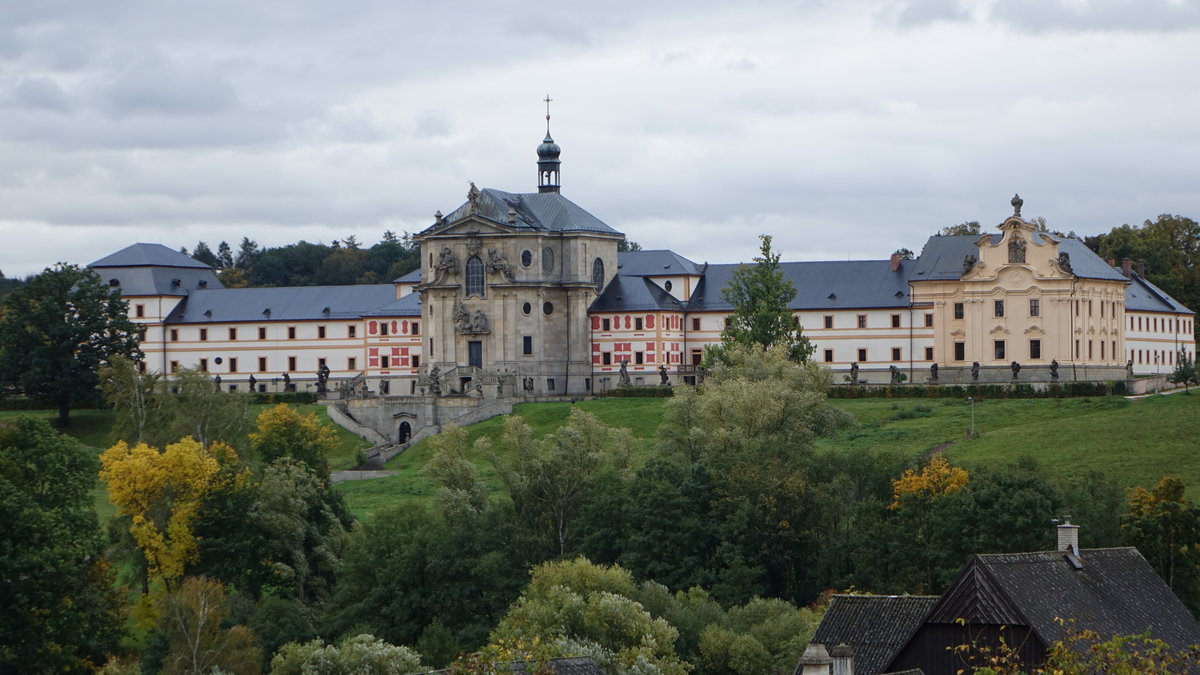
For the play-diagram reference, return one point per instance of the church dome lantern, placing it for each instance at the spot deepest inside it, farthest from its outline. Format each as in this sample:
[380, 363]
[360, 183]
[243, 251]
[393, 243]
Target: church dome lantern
[548, 162]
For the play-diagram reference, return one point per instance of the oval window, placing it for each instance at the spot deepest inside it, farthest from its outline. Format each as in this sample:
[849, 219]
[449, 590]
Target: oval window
[548, 309]
[526, 258]
[547, 260]
[527, 308]
[667, 285]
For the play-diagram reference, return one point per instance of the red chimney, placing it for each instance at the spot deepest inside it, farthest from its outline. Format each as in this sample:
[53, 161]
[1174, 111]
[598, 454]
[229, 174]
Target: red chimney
[1126, 267]
[1112, 262]
[1142, 269]
[895, 261]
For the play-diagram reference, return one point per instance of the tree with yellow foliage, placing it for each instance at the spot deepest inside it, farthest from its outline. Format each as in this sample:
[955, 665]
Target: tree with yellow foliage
[913, 497]
[284, 432]
[162, 493]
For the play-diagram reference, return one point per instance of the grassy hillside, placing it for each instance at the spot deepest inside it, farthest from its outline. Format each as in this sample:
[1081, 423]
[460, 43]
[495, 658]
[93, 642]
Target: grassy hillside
[1134, 442]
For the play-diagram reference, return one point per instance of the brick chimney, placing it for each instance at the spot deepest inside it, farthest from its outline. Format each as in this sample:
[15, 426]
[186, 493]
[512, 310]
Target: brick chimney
[1142, 269]
[1112, 262]
[1068, 538]
[895, 262]
[1126, 267]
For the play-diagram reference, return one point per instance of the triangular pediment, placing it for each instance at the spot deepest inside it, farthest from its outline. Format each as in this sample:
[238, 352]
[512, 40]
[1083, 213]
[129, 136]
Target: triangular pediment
[976, 598]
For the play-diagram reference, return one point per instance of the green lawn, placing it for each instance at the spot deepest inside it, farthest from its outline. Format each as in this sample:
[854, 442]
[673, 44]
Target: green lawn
[1133, 442]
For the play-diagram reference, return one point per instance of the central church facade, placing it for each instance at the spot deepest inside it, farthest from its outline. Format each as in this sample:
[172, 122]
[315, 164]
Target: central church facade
[525, 294]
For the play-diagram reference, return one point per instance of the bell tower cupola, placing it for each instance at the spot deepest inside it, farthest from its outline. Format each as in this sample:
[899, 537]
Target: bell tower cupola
[548, 161]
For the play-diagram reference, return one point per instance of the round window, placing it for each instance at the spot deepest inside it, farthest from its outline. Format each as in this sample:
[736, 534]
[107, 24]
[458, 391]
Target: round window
[547, 260]
[548, 309]
[667, 285]
[217, 360]
[526, 258]
[527, 308]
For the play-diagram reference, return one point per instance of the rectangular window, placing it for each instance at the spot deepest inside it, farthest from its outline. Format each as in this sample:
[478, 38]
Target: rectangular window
[139, 311]
[999, 308]
[895, 321]
[999, 349]
[1102, 347]
[232, 333]
[204, 365]
[1035, 307]
[795, 321]
[637, 323]
[828, 356]
[141, 367]
[895, 353]
[416, 328]
[233, 365]
[728, 321]
[958, 310]
[262, 364]
[829, 321]
[637, 358]
[696, 324]
[527, 344]
[383, 328]
[320, 332]
[1101, 309]
[1035, 349]
[1090, 344]
[1089, 307]
[203, 334]
[606, 324]
[862, 355]
[550, 384]
[416, 361]
[291, 332]
[929, 320]
[320, 363]
[351, 363]
[862, 320]
[606, 359]
[929, 353]
[385, 362]
[351, 331]
[262, 332]
[292, 363]
[174, 335]
[960, 351]
[174, 366]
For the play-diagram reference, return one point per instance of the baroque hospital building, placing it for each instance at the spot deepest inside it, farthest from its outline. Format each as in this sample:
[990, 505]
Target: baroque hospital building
[526, 295]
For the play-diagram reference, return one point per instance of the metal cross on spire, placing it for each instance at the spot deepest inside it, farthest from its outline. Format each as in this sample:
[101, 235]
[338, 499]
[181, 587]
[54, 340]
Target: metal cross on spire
[547, 100]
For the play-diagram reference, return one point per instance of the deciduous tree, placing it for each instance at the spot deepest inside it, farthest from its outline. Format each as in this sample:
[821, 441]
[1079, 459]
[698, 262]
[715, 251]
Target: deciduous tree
[61, 611]
[359, 655]
[1164, 525]
[284, 432]
[760, 295]
[192, 620]
[57, 330]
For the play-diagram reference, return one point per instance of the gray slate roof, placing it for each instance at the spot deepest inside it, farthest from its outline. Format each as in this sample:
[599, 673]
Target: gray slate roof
[942, 257]
[143, 255]
[535, 211]
[819, 285]
[1143, 296]
[413, 277]
[875, 626]
[634, 294]
[154, 269]
[409, 305]
[1115, 592]
[656, 263]
[294, 303]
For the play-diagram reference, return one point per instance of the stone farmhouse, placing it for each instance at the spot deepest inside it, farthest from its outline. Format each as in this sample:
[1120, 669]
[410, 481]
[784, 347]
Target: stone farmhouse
[526, 295]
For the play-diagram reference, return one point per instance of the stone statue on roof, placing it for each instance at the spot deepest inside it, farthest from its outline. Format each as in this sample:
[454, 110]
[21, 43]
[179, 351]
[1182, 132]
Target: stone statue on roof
[1017, 203]
[473, 197]
[969, 263]
[1016, 249]
[1064, 262]
[447, 262]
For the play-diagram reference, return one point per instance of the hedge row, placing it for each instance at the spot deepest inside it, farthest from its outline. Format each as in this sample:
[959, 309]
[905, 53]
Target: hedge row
[640, 392]
[1066, 389]
[289, 397]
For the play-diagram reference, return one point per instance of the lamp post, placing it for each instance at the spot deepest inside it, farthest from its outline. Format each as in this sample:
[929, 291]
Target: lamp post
[972, 400]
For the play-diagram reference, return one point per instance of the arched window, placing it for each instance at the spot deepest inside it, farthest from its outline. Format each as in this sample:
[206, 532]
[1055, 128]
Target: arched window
[598, 273]
[475, 276]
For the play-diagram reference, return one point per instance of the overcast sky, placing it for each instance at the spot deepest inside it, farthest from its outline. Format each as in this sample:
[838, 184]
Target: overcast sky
[845, 129]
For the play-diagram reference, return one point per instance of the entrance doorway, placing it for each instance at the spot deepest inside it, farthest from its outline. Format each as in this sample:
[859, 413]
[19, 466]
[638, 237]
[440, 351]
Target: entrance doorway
[475, 353]
[405, 433]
